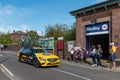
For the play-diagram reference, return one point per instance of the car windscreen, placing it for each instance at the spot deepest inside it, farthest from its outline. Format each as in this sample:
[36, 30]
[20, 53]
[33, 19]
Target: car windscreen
[43, 51]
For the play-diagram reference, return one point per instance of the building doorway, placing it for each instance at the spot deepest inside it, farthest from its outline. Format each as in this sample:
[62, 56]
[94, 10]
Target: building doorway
[99, 39]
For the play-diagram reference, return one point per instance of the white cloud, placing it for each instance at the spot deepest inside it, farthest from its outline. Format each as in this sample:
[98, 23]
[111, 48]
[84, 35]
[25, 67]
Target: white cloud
[7, 10]
[10, 18]
[24, 27]
[2, 29]
[6, 28]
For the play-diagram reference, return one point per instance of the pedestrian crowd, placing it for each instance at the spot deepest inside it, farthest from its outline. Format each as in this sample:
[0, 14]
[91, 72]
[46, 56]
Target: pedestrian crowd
[81, 54]
[3, 47]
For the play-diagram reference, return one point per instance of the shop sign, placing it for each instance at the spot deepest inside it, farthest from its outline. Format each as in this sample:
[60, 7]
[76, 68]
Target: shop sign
[70, 45]
[100, 28]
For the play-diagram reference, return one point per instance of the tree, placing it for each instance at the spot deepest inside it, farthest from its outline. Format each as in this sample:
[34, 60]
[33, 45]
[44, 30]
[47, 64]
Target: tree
[5, 38]
[71, 33]
[56, 30]
[61, 30]
[34, 37]
[33, 34]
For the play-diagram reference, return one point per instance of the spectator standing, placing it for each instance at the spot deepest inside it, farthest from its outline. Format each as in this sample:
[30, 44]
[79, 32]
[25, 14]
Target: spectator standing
[1, 46]
[112, 56]
[94, 52]
[82, 55]
[78, 55]
[72, 53]
[85, 55]
[99, 54]
[5, 47]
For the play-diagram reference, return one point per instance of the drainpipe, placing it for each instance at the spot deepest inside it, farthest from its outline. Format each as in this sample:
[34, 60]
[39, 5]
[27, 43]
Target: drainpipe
[110, 26]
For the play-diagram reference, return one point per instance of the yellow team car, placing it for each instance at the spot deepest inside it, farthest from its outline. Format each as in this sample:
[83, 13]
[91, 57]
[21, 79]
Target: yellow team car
[37, 56]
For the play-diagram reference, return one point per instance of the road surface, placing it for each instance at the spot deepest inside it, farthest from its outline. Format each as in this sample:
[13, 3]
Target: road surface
[15, 70]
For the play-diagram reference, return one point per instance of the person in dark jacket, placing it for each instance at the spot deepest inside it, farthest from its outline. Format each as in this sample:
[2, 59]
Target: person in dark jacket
[99, 54]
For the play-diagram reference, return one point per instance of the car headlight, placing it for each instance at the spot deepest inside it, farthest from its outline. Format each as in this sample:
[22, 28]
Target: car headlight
[43, 59]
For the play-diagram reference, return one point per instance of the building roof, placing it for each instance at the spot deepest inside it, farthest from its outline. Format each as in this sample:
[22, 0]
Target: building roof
[95, 6]
[19, 32]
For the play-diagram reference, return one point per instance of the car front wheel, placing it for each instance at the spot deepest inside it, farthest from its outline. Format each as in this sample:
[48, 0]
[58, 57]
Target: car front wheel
[36, 63]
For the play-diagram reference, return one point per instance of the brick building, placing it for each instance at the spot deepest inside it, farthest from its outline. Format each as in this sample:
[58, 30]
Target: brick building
[16, 35]
[98, 24]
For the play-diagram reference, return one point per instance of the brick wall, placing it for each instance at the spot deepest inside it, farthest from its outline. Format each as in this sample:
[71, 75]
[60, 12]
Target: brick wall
[100, 17]
[86, 20]
[13, 47]
[16, 48]
[80, 32]
[116, 27]
[97, 16]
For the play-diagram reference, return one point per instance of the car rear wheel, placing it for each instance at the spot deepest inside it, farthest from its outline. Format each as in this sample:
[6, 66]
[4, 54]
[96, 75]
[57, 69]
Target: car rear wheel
[36, 63]
[20, 59]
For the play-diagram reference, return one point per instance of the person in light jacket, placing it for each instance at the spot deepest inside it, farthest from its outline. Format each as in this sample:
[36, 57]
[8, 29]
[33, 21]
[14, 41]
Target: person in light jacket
[72, 53]
[94, 52]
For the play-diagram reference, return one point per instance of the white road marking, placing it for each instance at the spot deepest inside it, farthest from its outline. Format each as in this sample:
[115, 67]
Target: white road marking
[71, 74]
[1, 55]
[6, 70]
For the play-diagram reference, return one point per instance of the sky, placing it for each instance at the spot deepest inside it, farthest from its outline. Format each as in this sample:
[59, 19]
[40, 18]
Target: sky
[26, 15]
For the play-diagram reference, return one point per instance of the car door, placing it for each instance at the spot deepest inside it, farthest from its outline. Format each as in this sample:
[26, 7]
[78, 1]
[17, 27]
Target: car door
[26, 53]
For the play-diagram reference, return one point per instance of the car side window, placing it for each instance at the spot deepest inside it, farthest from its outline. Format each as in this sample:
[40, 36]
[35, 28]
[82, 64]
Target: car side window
[27, 51]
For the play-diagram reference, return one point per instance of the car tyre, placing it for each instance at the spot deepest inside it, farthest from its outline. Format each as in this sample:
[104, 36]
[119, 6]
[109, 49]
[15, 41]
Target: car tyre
[36, 63]
[20, 59]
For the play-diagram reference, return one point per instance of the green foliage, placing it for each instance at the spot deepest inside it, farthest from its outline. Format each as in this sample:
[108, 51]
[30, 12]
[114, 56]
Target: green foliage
[32, 34]
[61, 30]
[5, 38]
[34, 37]
[25, 40]
[71, 33]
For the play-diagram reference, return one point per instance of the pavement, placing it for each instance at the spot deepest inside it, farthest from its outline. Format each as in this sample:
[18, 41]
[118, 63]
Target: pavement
[105, 65]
